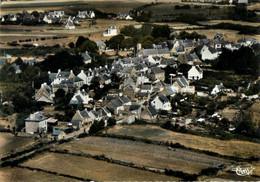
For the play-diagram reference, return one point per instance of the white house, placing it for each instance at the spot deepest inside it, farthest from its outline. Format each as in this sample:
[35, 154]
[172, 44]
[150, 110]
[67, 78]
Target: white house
[86, 76]
[217, 89]
[70, 25]
[195, 73]
[48, 19]
[80, 97]
[208, 53]
[36, 123]
[111, 31]
[161, 102]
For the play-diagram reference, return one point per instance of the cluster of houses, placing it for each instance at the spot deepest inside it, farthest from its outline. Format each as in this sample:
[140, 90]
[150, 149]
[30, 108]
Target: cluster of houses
[54, 17]
[142, 93]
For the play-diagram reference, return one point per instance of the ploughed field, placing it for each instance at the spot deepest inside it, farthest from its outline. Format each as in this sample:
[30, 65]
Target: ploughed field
[236, 148]
[92, 169]
[143, 154]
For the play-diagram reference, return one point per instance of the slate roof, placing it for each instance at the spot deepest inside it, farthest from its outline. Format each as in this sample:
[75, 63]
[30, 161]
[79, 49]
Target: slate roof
[163, 98]
[124, 100]
[156, 70]
[134, 107]
[182, 82]
[86, 56]
[198, 69]
[37, 117]
[146, 52]
[63, 74]
[117, 102]
[152, 110]
[56, 132]
[100, 43]
[84, 114]
[146, 87]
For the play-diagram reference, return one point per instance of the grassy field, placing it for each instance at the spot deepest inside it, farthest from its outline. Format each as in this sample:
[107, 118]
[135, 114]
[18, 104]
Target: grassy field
[215, 22]
[10, 143]
[235, 148]
[91, 169]
[16, 174]
[255, 114]
[143, 154]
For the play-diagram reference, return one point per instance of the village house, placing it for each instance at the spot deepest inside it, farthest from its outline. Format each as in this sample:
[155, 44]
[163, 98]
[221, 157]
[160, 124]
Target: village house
[58, 134]
[86, 57]
[101, 46]
[191, 59]
[58, 14]
[164, 52]
[146, 88]
[70, 25]
[80, 97]
[85, 14]
[181, 85]
[81, 118]
[149, 113]
[115, 106]
[217, 89]
[111, 31]
[161, 102]
[44, 94]
[208, 53]
[195, 73]
[36, 123]
[157, 73]
[57, 78]
[104, 112]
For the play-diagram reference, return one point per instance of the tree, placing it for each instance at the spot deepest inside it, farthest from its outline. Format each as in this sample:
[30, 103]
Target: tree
[71, 45]
[115, 41]
[111, 122]
[161, 31]
[97, 126]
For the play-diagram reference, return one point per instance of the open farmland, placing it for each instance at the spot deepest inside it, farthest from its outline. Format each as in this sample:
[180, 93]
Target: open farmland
[143, 154]
[88, 168]
[17, 174]
[235, 148]
[10, 143]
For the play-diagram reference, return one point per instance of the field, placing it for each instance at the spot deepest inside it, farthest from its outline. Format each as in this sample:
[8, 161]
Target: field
[10, 143]
[88, 168]
[235, 148]
[143, 154]
[17, 174]
[12, 33]
[215, 22]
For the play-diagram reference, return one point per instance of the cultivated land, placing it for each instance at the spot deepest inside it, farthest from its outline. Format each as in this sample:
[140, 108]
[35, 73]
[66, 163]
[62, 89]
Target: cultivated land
[10, 143]
[143, 154]
[235, 148]
[91, 169]
[17, 174]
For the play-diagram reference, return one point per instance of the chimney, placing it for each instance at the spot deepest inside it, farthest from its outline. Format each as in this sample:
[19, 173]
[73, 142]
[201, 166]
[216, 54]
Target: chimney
[59, 70]
[71, 71]
[49, 72]
[139, 46]
[82, 71]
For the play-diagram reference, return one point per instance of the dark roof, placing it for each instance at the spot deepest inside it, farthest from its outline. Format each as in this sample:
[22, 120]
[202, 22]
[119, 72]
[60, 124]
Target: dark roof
[2, 61]
[85, 56]
[146, 87]
[198, 69]
[63, 74]
[56, 132]
[36, 117]
[124, 100]
[155, 70]
[84, 114]
[182, 82]
[134, 107]
[212, 50]
[152, 110]
[117, 102]
[163, 99]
